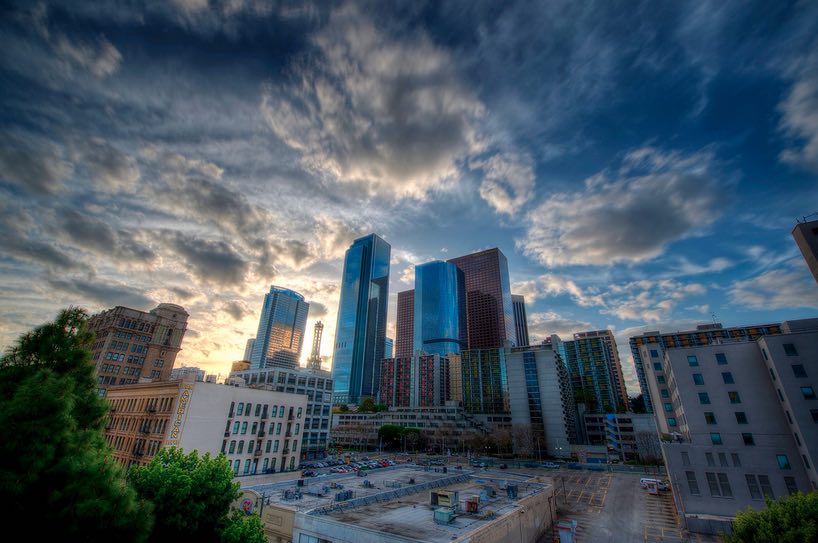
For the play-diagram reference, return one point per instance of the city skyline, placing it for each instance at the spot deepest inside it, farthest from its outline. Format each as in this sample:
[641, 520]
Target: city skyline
[641, 169]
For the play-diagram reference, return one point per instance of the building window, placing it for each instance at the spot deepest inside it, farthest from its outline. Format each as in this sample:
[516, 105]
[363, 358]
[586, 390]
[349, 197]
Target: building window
[806, 462]
[258, 409]
[265, 465]
[692, 360]
[814, 413]
[685, 458]
[748, 439]
[654, 353]
[668, 407]
[734, 397]
[247, 466]
[236, 465]
[248, 409]
[808, 392]
[783, 461]
[704, 398]
[254, 428]
[665, 393]
[736, 460]
[709, 457]
[721, 359]
[752, 486]
[671, 421]
[240, 450]
[797, 439]
[236, 426]
[692, 483]
[269, 445]
[661, 379]
[657, 366]
[789, 349]
[710, 417]
[274, 411]
[698, 379]
[278, 428]
[250, 445]
[741, 417]
[798, 370]
[792, 488]
[766, 487]
[772, 374]
[240, 409]
[232, 446]
[727, 377]
[244, 427]
[715, 438]
[724, 482]
[723, 460]
[712, 483]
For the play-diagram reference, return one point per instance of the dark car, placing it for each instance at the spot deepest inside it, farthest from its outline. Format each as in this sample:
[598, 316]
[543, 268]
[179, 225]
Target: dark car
[503, 466]
[309, 473]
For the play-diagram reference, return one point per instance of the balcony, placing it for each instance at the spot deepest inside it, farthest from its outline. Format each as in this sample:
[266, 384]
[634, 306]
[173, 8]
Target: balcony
[146, 430]
[137, 452]
[261, 433]
[227, 433]
[257, 452]
[150, 409]
[286, 451]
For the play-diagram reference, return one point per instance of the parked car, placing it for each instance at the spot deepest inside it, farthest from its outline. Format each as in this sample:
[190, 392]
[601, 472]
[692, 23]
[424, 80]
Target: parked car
[309, 473]
[503, 466]
[551, 465]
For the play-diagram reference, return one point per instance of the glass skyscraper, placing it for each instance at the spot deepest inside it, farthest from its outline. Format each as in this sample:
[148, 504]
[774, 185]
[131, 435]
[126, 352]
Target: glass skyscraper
[280, 329]
[440, 309]
[361, 331]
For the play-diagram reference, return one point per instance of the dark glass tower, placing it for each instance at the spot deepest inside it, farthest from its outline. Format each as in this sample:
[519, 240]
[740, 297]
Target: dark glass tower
[280, 329]
[440, 309]
[361, 330]
[520, 320]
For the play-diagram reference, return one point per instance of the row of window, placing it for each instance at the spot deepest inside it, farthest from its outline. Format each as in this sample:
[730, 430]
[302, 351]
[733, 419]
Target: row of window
[261, 410]
[237, 447]
[130, 336]
[109, 380]
[250, 467]
[135, 325]
[719, 485]
[693, 360]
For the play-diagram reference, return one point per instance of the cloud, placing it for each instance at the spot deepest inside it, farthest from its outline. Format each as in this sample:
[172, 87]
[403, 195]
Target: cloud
[110, 169]
[374, 108]
[508, 182]
[211, 261]
[630, 216]
[40, 171]
[799, 113]
[97, 236]
[235, 309]
[99, 56]
[776, 289]
[106, 292]
[318, 310]
[544, 324]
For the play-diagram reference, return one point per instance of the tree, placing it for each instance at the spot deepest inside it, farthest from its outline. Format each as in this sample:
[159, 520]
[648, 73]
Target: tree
[792, 519]
[241, 528]
[390, 435]
[638, 404]
[367, 405]
[57, 477]
[192, 495]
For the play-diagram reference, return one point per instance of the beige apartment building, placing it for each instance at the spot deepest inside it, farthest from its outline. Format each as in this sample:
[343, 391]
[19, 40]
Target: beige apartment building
[131, 344]
[260, 431]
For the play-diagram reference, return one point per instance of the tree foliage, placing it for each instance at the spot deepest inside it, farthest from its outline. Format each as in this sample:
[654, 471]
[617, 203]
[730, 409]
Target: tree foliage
[241, 528]
[192, 495]
[792, 519]
[57, 477]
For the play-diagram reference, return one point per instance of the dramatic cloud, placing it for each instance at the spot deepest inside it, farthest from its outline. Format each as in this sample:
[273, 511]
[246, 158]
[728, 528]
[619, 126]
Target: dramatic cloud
[508, 182]
[318, 310]
[211, 261]
[374, 108]
[98, 236]
[104, 292]
[799, 113]
[236, 309]
[775, 289]
[37, 171]
[110, 169]
[543, 325]
[99, 57]
[655, 199]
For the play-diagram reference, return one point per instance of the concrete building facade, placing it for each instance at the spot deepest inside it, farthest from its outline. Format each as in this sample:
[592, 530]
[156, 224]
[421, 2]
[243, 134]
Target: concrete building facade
[259, 431]
[314, 385]
[805, 235]
[131, 344]
[737, 413]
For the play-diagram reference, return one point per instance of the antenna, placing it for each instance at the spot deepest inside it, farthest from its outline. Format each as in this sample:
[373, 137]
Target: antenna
[713, 315]
[314, 362]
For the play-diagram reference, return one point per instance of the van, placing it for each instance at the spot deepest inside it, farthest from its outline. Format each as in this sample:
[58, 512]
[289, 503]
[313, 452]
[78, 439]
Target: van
[660, 484]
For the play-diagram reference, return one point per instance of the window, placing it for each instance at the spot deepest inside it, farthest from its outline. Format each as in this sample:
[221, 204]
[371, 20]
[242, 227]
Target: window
[766, 488]
[727, 377]
[668, 406]
[685, 458]
[250, 445]
[275, 446]
[792, 488]
[698, 379]
[783, 461]
[265, 465]
[254, 428]
[748, 439]
[244, 427]
[814, 413]
[808, 392]
[232, 446]
[789, 349]
[806, 462]
[736, 460]
[278, 428]
[240, 409]
[258, 409]
[236, 427]
[247, 466]
[269, 446]
[709, 457]
[715, 438]
[665, 393]
[692, 483]
[798, 370]
[657, 366]
[660, 379]
[724, 482]
[712, 483]
[704, 398]
[654, 353]
[734, 397]
[710, 417]
[752, 486]
[721, 359]
[772, 374]
[236, 465]
[300, 409]
[281, 411]
[797, 439]
[241, 447]
[248, 409]
[723, 460]
[274, 411]
[764, 352]
[692, 360]
[671, 421]
[741, 417]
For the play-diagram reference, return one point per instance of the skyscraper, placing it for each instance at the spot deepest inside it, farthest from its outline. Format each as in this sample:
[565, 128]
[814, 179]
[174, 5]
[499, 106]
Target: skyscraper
[314, 361]
[489, 313]
[806, 237]
[281, 327]
[440, 309]
[361, 330]
[593, 365]
[405, 326]
[389, 348]
[248, 348]
[520, 319]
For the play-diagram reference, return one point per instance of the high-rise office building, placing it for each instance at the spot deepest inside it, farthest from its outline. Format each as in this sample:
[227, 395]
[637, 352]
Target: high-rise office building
[132, 344]
[248, 348]
[429, 381]
[489, 312]
[361, 330]
[648, 349]
[281, 327]
[389, 348]
[483, 380]
[520, 319]
[314, 361]
[395, 381]
[741, 413]
[595, 371]
[405, 327]
[440, 309]
[806, 237]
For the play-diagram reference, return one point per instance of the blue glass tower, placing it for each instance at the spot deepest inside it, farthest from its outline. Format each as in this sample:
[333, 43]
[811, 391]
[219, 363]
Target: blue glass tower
[280, 329]
[361, 330]
[440, 309]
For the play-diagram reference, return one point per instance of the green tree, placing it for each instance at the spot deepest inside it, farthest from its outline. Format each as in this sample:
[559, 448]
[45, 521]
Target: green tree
[367, 405]
[192, 494]
[241, 528]
[57, 477]
[391, 436]
[792, 519]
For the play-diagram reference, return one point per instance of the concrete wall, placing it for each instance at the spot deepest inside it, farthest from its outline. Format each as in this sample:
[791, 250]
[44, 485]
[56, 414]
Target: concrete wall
[527, 524]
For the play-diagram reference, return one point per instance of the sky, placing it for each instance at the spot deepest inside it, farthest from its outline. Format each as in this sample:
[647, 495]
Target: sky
[640, 164]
